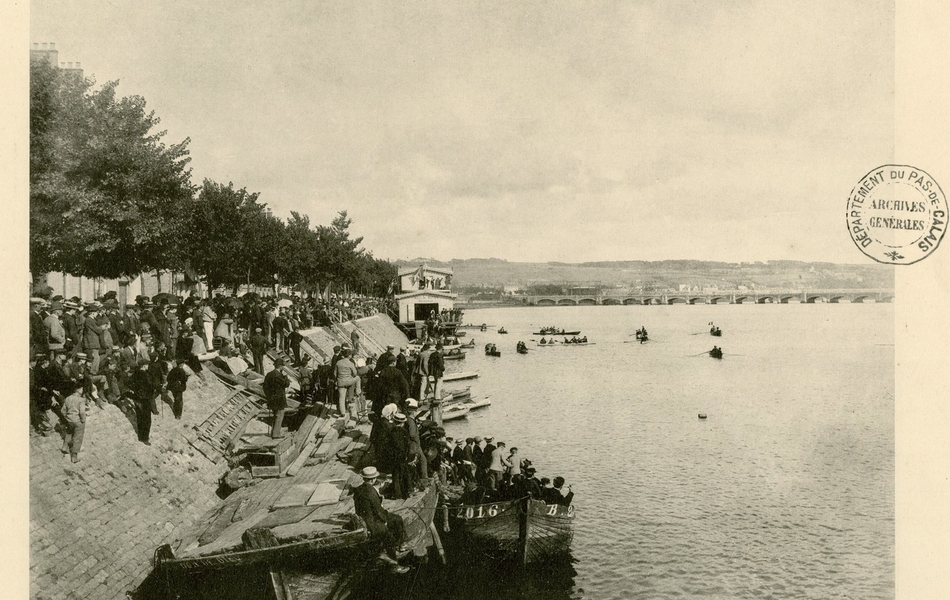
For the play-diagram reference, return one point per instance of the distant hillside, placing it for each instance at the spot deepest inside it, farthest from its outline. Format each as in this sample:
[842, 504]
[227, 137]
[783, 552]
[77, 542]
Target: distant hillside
[669, 274]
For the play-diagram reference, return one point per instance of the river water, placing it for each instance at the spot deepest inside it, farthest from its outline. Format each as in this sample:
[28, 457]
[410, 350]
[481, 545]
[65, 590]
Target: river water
[785, 490]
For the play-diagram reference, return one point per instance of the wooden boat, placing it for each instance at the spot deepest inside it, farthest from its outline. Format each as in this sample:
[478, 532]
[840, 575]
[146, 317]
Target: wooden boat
[546, 331]
[716, 353]
[492, 353]
[454, 411]
[454, 356]
[457, 395]
[468, 344]
[476, 404]
[525, 530]
[502, 331]
[715, 331]
[296, 521]
[522, 349]
[459, 376]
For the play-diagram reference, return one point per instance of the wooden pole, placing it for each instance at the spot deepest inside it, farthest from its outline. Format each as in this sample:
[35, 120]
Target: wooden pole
[437, 541]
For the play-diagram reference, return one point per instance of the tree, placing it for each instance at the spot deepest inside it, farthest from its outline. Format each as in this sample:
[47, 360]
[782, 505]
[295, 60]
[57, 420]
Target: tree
[107, 197]
[231, 237]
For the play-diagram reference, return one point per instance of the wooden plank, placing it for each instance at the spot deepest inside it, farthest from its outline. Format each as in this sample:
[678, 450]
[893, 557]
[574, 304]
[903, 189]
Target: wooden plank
[301, 460]
[297, 495]
[285, 516]
[231, 537]
[327, 492]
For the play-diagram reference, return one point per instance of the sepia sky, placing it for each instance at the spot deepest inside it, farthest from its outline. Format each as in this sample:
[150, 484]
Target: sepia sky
[529, 131]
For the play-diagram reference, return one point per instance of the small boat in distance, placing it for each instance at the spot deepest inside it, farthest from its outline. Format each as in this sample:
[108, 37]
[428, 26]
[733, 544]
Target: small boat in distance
[502, 330]
[491, 350]
[715, 331]
[555, 331]
[521, 348]
[716, 352]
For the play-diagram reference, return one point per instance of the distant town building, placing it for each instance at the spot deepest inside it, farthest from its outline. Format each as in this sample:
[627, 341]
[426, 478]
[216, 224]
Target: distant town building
[47, 51]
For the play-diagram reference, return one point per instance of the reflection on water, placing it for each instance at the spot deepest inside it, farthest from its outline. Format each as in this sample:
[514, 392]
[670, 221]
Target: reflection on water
[466, 577]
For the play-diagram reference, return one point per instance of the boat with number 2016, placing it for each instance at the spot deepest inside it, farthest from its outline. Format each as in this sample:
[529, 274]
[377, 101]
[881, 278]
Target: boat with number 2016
[525, 530]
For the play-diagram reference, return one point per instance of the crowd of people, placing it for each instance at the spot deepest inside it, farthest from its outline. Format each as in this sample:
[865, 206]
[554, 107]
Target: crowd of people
[134, 358]
[412, 449]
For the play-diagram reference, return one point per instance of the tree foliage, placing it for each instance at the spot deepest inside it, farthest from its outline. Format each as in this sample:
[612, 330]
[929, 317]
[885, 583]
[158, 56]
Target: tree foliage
[108, 198]
[106, 193]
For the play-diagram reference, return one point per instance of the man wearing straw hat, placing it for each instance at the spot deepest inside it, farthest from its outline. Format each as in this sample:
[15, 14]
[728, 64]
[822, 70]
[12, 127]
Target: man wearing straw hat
[386, 526]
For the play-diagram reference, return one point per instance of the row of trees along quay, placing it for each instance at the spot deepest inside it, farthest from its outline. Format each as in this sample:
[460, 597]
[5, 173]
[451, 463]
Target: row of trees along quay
[109, 199]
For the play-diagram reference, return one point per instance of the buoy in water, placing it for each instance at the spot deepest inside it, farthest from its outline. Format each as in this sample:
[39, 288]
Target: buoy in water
[702, 415]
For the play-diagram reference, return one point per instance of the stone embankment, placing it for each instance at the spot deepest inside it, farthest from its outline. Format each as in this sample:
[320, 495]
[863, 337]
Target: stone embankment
[95, 524]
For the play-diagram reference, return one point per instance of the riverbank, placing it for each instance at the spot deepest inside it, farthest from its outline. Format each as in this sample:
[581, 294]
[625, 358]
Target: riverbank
[94, 525]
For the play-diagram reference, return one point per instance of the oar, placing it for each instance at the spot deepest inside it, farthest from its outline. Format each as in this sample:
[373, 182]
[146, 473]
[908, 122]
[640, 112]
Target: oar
[706, 353]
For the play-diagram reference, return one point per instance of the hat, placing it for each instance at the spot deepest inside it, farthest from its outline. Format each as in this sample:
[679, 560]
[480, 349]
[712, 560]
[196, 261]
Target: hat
[40, 356]
[530, 470]
[258, 329]
[305, 359]
[336, 348]
[399, 417]
[459, 442]
[37, 301]
[478, 439]
[190, 321]
[469, 440]
[278, 362]
[81, 355]
[412, 403]
[369, 473]
[93, 307]
[488, 438]
[390, 347]
[56, 306]
[70, 304]
[402, 348]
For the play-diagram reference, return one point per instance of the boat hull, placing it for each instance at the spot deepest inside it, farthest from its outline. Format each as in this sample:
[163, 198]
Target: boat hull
[557, 333]
[523, 530]
[417, 513]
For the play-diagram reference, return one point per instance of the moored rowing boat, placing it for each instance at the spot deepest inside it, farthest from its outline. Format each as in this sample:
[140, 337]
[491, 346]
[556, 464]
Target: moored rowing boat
[526, 530]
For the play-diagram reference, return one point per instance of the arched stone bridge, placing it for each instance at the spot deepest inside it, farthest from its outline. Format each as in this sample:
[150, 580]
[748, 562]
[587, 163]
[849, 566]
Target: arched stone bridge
[727, 297]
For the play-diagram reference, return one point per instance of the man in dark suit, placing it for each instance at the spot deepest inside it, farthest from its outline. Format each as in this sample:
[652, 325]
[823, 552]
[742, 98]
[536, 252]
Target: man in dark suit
[258, 344]
[402, 363]
[275, 391]
[39, 336]
[564, 499]
[388, 527]
[532, 483]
